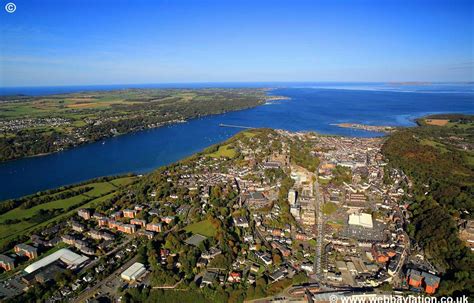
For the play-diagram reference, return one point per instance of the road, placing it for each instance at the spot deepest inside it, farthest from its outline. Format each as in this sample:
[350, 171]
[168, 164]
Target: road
[320, 224]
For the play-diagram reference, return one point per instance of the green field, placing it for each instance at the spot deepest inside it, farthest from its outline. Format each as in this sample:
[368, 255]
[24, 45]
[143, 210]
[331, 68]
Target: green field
[224, 151]
[204, 228]
[101, 191]
[329, 208]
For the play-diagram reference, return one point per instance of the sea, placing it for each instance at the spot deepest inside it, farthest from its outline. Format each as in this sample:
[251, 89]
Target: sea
[309, 107]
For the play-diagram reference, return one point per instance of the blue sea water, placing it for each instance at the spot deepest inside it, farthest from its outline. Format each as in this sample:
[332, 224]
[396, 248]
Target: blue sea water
[311, 107]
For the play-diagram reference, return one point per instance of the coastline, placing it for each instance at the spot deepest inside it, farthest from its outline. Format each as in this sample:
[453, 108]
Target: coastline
[371, 128]
[267, 100]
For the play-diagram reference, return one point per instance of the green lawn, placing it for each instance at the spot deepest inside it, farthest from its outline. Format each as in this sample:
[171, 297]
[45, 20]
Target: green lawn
[224, 151]
[204, 228]
[22, 227]
[434, 144]
[329, 208]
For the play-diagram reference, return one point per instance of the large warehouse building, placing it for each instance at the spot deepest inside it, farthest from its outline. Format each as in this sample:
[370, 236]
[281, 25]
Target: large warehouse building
[134, 272]
[71, 259]
[364, 220]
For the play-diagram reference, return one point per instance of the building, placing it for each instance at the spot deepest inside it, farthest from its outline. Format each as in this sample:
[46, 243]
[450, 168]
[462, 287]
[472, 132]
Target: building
[308, 217]
[167, 219]
[431, 282]
[71, 259]
[84, 213]
[255, 200]
[138, 222]
[295, 211]
[7, 263]
[103, 222]
[234, 277]
[134, 272]
[76, 226]
[361, 219]
[156, 227]
[422, 280]
[241, 222]
[26, 250]
[292, 197]
[129, 213]
[127, 228]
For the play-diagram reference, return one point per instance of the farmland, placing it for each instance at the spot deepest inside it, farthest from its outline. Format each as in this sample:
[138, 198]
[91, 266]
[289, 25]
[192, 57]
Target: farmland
[32, 126]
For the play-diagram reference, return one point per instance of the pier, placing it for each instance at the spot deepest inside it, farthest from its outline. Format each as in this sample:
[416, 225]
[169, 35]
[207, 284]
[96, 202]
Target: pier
[235, 126]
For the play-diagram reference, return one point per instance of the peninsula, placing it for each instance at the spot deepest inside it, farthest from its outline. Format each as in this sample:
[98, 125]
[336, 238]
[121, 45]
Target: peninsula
[35, 125]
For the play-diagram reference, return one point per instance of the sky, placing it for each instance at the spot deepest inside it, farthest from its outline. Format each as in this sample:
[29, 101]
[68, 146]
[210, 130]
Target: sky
[88, 42]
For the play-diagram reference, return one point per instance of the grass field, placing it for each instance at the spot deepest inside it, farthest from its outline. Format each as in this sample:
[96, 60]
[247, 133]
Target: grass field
[329, 208]
[99, 189]
[204, 228]
[434, 144]
[224, 151]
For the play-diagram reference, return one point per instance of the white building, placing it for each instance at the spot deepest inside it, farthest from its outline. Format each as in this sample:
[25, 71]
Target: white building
[134, 272]
[295, 211]
[71, 259]
[292, 197]
[362, 219]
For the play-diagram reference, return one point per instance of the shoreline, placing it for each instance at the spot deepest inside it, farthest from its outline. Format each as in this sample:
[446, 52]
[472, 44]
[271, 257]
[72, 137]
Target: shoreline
[266, 100]
[365, 127]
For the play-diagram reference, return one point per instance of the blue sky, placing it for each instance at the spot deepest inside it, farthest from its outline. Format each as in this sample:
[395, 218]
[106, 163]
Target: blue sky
[46, 42]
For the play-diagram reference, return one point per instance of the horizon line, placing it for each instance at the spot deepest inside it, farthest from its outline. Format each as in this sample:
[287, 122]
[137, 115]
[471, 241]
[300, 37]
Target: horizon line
[243, 82]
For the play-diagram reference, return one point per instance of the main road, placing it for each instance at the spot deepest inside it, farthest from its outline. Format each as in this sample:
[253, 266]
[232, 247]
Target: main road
[320, 224]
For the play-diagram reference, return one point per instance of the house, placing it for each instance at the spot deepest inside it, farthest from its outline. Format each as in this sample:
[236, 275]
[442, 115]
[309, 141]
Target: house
[84, 213]
[7, 263]
[146, 233]
[103, 222]
[414, 278]
[254, 268]
[264, 257]
[127, 228]
[26, 250]
[95, 234]
[431, 282]
[116, 215]
[156, 227]
[138, 222]
[278, 274]
[212, 253]
[68, 239]
[167, 219]
[234, 277]
[241, 222]
[76, 226]
[129, 213]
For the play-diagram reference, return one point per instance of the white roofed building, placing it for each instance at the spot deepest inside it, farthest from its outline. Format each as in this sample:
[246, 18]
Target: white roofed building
[134, 272]
[362, 219]
[71, 259]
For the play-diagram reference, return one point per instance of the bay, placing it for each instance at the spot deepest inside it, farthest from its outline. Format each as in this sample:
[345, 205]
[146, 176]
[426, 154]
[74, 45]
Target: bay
[311, 107]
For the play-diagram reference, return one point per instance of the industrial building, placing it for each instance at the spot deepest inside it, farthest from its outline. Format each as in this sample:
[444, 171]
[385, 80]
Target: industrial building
[362, 219]
[71, 259]
[134, 272]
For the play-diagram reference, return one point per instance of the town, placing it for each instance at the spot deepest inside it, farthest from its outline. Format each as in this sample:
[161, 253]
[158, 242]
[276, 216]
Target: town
[268, 213]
